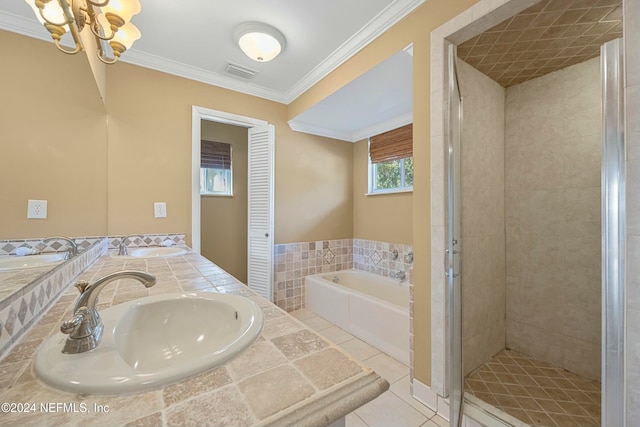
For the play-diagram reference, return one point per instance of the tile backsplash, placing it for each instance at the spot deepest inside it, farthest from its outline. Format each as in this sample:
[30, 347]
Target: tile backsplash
[294, 261]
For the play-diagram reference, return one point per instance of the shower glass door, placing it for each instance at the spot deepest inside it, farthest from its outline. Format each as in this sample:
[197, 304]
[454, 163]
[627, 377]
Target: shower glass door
[453, 261]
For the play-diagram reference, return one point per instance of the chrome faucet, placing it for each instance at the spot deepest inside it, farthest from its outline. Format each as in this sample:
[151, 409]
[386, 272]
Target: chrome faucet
[73, 246]
[400, 275]
[85, 328]
[122, 248]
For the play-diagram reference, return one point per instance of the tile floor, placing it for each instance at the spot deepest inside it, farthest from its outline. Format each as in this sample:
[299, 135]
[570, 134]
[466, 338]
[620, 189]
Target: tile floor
[536, 392]
[395, 407]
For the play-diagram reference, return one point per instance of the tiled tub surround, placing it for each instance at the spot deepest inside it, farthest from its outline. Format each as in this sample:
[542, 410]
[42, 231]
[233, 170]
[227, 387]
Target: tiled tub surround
[294, 261]
[32, 292]
[289, 376]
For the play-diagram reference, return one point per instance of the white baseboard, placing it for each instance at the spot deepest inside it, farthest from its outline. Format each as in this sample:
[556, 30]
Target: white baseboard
[423, 394]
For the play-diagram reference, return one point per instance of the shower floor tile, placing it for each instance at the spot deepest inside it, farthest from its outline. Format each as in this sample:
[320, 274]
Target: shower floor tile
[536, 392]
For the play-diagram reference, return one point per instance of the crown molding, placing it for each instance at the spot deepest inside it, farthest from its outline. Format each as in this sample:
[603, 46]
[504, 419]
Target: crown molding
[180, 69]
[27, 27]
[298, 126]
[358, 135]
[387, 125]
[391, 15]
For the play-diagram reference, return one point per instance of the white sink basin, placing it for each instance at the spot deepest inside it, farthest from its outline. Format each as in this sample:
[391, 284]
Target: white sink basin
[31, 261]
[156, 252]
[154, 341]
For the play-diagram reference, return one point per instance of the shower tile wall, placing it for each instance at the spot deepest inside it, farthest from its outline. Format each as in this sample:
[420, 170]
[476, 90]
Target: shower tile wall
[552, 159]
[482, 216]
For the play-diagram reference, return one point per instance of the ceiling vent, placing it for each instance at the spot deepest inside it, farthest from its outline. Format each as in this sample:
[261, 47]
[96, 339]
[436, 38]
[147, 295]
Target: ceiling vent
[240, 71]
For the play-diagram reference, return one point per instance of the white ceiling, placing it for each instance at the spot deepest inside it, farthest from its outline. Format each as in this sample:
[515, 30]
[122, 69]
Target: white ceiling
[194, 39]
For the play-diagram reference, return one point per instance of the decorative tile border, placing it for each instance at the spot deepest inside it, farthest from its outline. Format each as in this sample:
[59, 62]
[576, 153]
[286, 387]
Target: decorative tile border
[8, 247]
[294, 261]
[147, 240]
[22, 309]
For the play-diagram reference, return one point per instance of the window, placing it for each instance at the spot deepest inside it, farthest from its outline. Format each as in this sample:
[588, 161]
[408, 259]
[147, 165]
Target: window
[216, 177]
[391, 161]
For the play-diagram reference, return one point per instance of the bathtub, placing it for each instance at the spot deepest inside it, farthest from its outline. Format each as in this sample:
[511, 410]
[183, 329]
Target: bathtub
[371, 307]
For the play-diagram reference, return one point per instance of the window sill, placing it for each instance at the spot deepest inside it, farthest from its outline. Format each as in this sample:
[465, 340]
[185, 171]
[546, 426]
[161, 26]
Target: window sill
[382, 193]
[215, 195]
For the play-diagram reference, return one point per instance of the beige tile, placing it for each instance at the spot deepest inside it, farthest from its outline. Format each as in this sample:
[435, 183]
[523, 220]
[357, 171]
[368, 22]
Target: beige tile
[206, 382]
[299, 344]
[387, 367]
[439, 421]
[336, 335]
[152, 420]
[389, 410]
[303, 314]
[259, 390]
[280, 326]
[223, 407]
[262, 355]
[402, 389]
[581, 161]
[317, 323]
[359, 349]
[352, 420]
[327, 368]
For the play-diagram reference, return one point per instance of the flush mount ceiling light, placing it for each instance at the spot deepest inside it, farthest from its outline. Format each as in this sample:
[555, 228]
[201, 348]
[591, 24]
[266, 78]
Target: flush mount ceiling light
[260, 42]
[109, 21]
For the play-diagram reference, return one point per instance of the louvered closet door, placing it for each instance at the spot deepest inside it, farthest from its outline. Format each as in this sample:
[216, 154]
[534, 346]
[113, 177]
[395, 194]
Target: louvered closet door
[260, 257]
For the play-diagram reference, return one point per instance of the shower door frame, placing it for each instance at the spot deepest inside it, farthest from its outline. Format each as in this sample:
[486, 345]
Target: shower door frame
[453, 251]
[613, 234]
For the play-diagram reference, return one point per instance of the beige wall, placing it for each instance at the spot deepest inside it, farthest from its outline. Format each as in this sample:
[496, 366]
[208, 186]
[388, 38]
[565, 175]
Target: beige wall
[553, 144]
[384, 217]
[483, 272]
[223, 219]
[150, 158]
[53, 141]
[416, 29]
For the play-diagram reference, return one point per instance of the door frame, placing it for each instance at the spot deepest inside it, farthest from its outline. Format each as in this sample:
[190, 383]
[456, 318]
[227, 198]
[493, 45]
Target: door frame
[198, 114]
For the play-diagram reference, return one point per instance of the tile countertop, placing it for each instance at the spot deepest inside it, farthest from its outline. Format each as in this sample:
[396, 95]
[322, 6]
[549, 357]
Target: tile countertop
[289, 376]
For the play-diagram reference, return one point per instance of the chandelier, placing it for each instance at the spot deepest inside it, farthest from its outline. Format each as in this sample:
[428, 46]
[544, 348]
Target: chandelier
[109, 21]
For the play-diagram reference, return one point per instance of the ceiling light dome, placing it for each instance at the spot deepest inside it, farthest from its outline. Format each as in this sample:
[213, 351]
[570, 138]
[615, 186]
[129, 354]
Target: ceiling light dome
[260, 42]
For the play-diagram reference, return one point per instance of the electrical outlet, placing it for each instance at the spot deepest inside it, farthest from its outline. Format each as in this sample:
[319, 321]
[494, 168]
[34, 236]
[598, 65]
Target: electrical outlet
[160, 209]
[37, 209]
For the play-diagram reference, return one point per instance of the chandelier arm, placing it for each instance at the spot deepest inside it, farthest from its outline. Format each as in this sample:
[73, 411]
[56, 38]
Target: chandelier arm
[95, 29]
[97, 4]
[95, 25]
[67, 14]
[63, 49]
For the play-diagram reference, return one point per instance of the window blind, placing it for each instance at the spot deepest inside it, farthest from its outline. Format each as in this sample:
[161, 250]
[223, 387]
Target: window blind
[392, 145]
[215, 155]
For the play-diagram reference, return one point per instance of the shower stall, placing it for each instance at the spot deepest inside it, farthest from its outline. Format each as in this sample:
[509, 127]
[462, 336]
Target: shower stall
[534, 221]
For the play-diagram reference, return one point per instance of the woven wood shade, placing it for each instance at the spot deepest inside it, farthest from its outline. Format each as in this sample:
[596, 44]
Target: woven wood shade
[393, 145]
[215, 155]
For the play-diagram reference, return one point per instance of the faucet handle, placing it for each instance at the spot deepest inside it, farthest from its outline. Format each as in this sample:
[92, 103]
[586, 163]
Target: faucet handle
[82, 285]
[68, 326]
